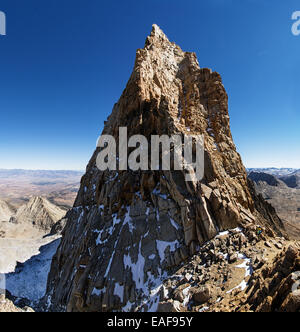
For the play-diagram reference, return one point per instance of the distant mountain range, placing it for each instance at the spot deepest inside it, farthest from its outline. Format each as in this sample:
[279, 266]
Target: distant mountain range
[274, 171]
[289, 176]
[4, 173]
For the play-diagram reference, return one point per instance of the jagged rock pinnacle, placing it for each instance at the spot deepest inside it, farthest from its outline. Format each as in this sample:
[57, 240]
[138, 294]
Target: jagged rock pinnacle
[157, 38]
[158, 33]
[127, 230]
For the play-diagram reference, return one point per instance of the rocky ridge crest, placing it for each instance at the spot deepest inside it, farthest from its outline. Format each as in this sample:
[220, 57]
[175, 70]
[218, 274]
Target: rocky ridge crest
[39, 213]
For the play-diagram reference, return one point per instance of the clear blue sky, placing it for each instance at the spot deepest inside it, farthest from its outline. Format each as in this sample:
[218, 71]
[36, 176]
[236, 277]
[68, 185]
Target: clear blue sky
[64, 63]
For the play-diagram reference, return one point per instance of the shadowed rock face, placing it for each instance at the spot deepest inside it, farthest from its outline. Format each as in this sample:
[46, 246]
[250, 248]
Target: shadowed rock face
[267, 178]
[292, 181]
[129, 230]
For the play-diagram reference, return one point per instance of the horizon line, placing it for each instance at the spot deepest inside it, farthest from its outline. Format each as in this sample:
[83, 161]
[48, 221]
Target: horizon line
[82, 171]
[40, 169]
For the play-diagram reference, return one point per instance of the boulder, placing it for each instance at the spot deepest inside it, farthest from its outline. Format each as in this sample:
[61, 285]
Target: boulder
[201, 295]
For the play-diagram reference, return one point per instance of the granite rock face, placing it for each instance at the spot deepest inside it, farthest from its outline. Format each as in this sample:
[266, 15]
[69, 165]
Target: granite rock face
[129, 230]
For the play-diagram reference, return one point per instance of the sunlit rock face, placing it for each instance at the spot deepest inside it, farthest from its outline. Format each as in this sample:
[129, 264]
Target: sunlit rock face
[129, 230]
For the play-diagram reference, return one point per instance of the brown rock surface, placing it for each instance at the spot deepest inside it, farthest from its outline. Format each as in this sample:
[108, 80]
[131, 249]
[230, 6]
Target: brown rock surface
[201, 295]
[276, 287]
[129, 230]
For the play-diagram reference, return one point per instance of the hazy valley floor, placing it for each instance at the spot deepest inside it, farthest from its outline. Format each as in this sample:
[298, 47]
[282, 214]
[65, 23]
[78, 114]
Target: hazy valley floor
[60, 187]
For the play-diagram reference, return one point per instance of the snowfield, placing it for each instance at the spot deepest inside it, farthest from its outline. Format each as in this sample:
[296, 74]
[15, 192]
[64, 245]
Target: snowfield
[29, 278]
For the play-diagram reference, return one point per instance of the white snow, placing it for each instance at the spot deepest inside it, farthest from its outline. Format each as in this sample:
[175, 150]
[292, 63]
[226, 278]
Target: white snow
[80, 217]
[150, 288]
[110, 261]
[174, 224]
[30, 281]
[242, 286]
[19, 250]
[128, 220]
[204, 309]
[127, 307]
[110, 230]
[137, 268]
[222, 234]
[224, 255]
[99, 292]
[162, 246]
[157, 192]
[119, 291]
[210, 132]
[187, 296]
[155, 285]
[248, 272]
[235, 230]
[245, 265]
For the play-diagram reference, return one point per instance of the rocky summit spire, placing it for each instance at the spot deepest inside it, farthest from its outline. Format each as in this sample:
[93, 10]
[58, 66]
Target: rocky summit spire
[157, 34]
[129, 230]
